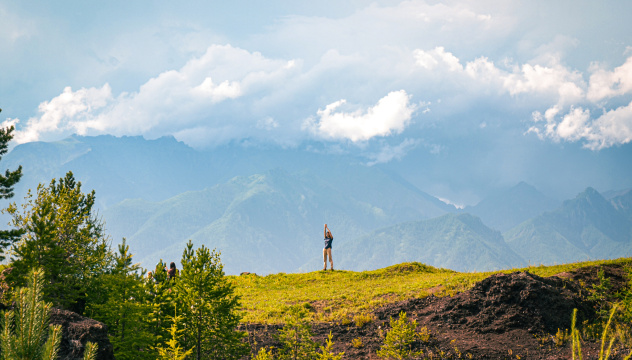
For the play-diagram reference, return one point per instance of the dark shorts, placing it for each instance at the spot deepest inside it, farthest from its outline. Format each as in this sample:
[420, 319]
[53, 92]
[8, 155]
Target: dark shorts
[328, 243]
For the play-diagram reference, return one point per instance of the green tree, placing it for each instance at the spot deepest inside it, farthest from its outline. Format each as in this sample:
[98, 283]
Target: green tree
[173, 351]
[24, 330]
[264, 354]
[162, 300]
[63, 236]
[296, 336]
[7, 181]
[126, 308]
[400, 339]
[209, 306]
[327, 351]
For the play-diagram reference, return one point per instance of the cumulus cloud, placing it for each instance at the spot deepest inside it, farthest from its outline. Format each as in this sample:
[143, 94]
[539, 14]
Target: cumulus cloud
[551, 79]
[613, 127]
[68, 111]
[610, 127]
[570, 97]
[170, 103]
[392, 113]
[436, 57]
[606, 84]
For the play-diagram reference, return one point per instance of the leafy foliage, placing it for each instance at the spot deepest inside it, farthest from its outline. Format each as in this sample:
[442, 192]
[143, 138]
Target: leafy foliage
[209, 306]
[400, 339]
[62, 236]
[24, 335]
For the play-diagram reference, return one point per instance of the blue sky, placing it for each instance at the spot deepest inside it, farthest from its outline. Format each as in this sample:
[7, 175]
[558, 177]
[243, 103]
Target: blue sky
[459, 96]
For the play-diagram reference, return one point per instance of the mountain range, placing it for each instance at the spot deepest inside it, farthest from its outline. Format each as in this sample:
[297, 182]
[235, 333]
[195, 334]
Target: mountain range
[264, 209]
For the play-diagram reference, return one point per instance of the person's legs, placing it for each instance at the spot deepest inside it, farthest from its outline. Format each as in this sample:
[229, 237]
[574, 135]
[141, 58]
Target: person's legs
[324, 259]
[331, 259]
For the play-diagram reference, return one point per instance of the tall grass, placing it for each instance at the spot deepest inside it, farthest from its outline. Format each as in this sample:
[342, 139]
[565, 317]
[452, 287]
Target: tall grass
[606, 337]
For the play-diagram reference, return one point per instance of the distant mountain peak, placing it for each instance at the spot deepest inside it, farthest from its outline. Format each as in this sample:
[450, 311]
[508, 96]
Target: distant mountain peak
[590, 191]
[506, 209]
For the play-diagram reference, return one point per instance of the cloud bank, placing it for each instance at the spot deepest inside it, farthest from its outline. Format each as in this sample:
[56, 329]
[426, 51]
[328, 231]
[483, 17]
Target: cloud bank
[353, 87]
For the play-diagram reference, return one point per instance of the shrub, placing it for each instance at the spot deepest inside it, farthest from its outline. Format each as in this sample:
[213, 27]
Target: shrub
[296, 335]
[362, 319]
[264, 354]
[400, 339]
[326, 352]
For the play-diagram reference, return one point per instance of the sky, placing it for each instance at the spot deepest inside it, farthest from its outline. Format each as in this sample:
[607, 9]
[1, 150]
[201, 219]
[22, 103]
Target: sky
[460, 97]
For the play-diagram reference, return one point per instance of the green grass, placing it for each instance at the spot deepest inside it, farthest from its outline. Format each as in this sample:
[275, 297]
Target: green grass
[341, 295]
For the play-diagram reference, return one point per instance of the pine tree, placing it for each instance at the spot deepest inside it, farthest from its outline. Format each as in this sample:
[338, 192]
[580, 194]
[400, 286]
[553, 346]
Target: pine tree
[7, 181]
[209, 306]
[62, 236]
[24, 335]
[400, 339]
[263, 354]
[162, 299]
[296, 336]
[126, 308]
[173, 351]
[327, 352]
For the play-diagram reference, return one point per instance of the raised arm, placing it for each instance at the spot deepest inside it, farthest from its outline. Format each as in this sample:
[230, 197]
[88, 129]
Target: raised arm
[325, 231]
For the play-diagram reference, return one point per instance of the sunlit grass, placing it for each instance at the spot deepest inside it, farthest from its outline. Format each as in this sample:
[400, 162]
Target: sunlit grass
[338, 296]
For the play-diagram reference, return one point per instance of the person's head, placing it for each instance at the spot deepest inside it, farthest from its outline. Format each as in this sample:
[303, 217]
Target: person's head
[150, 275]
[172, 265]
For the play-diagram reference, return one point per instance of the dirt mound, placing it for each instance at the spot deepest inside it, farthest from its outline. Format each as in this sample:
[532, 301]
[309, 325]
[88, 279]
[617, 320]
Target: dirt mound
[77, 331]
[519, 300]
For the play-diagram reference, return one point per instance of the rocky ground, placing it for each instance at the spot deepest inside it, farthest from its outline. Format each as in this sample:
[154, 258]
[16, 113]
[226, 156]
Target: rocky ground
[77, 331]
[506, 316]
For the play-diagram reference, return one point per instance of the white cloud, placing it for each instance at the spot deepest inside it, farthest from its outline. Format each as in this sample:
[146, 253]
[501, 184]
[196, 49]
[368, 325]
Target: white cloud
[612, 128]
[574, 125]
[551, 79]
[65, 112]
[565, 93]
[217, 93]
[438, 56]
[170, 103]
[606, 84]
[392, 113]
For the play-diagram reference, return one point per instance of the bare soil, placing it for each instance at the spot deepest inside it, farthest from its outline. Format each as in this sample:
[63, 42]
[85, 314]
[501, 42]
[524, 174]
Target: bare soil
[506, 316]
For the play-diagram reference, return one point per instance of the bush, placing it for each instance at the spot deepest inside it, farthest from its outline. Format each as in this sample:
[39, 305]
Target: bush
[400, 339]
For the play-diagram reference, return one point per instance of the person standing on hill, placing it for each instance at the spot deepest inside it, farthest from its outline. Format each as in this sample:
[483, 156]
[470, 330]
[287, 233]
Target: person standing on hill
[327, 250]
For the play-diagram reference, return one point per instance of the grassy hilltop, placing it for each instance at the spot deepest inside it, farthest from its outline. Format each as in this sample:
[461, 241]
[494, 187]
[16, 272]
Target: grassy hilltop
[342, 296]
[520, 313]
